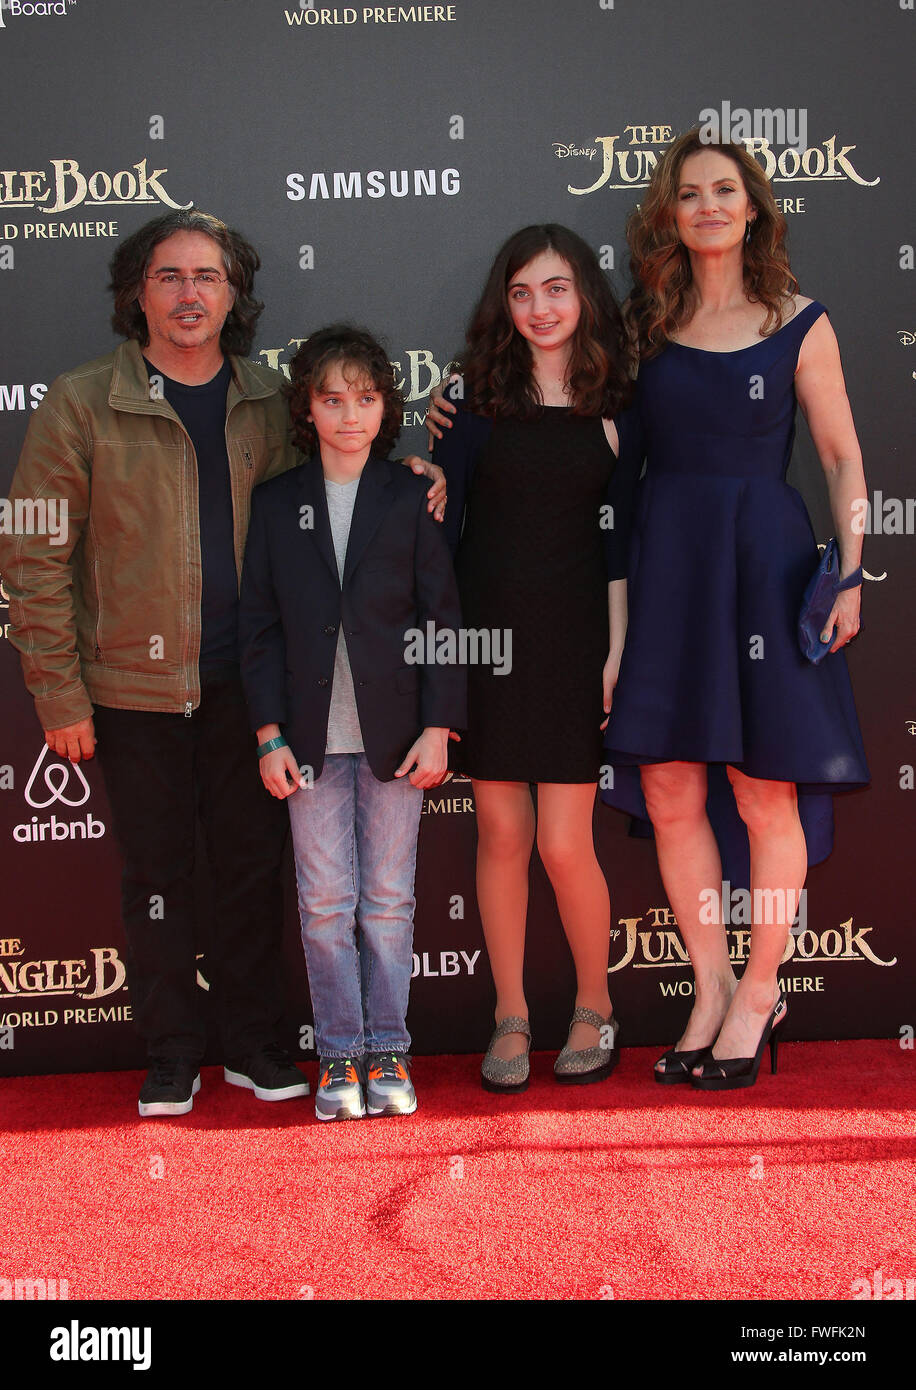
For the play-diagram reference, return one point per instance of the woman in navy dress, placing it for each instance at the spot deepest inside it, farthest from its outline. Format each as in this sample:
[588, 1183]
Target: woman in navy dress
[716, 710]
[532, 473]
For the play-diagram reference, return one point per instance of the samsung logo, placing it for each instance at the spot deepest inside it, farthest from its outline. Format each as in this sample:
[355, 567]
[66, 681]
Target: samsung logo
[398, 183]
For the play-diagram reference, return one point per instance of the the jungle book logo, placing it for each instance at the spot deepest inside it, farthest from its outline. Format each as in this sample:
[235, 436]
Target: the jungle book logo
[40, 993]
[626, 160]
[652, 942]
[65, 185]
[95, 976]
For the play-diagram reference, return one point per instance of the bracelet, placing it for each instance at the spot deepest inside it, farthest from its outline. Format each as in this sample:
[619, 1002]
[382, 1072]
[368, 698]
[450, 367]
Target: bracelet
[271, 744]
[852, 581]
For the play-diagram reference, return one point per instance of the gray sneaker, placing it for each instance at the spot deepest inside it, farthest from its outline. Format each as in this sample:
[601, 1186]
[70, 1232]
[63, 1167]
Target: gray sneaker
[389, 1090]
[340, 1090]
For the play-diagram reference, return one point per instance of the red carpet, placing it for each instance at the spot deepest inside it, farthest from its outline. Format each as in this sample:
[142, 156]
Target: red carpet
[793, 1189]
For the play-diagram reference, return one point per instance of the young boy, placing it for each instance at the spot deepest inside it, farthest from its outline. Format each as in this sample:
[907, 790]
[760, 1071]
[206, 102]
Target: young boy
[342, 560]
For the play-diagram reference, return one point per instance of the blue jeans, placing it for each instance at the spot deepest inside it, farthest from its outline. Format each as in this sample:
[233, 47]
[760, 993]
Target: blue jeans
[355, 842]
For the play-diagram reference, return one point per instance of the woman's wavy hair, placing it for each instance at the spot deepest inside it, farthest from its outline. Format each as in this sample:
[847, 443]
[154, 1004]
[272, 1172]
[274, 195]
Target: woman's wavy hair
[361, 358]
[663, 296]
[130, 262]
[497, 362]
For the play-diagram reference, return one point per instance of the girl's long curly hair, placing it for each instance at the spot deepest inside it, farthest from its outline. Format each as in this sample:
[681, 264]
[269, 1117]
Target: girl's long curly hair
[663, 298]
[497, 362]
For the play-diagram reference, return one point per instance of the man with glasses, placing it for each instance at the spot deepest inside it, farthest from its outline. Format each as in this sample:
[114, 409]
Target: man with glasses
[127, 631]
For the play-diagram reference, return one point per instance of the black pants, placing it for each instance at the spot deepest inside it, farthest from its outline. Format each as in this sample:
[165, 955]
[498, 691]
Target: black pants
[163, 773]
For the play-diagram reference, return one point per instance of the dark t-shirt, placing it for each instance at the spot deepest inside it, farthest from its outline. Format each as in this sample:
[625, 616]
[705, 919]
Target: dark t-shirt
[202, 411]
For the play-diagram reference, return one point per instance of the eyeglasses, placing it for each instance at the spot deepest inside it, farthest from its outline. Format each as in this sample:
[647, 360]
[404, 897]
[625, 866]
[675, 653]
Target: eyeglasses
[171, 280]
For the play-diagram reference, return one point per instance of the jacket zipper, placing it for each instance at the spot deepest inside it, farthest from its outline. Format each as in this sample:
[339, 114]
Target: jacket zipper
[98, 605]
[187, 448]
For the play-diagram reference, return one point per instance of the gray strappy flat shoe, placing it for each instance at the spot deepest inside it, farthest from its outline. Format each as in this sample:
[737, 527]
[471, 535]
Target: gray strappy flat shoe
[587, 1064]
[506, 1074]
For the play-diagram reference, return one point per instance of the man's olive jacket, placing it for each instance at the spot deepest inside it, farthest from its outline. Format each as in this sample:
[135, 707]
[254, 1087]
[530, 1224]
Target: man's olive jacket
[111, 615]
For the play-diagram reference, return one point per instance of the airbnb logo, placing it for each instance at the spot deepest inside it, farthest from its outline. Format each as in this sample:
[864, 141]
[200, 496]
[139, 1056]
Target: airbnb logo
[56, 778]
[65, 783]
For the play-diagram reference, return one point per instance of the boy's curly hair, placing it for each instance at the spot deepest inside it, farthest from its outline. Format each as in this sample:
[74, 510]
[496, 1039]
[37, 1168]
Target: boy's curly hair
[360, 357]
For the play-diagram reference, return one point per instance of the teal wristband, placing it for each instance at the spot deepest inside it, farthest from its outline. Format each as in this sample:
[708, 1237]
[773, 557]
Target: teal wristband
[271, 744]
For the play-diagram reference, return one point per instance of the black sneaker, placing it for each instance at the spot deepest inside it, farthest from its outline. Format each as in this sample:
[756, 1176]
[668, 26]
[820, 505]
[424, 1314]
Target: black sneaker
[170, 1086]
[270, 1073]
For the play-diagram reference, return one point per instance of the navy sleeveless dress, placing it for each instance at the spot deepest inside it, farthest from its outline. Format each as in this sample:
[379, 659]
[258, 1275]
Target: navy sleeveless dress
[721, 552]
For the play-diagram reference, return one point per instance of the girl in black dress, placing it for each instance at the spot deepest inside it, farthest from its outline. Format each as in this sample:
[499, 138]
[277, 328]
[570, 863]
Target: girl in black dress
[535, 490]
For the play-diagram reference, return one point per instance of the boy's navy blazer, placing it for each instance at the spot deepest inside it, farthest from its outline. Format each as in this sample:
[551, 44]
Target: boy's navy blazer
[397, 575]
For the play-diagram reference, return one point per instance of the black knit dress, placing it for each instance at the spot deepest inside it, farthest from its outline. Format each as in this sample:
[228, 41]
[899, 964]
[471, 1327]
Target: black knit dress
[531, 565]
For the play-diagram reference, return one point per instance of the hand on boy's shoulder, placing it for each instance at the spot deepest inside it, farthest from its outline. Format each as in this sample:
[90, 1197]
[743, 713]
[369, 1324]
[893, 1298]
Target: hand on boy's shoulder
[407, 481]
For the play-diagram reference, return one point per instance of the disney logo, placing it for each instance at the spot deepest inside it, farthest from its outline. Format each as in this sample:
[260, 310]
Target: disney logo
[907, 337]
[566, 151]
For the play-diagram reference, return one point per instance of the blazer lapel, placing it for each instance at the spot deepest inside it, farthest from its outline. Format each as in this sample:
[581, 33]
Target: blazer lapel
[312, 494]
[373, 498]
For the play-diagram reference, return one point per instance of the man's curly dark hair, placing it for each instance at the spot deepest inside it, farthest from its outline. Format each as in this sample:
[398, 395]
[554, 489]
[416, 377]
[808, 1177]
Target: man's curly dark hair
[130, 261]
[360, 357]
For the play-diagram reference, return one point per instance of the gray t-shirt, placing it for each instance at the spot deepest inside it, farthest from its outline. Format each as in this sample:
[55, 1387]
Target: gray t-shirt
[344, 733]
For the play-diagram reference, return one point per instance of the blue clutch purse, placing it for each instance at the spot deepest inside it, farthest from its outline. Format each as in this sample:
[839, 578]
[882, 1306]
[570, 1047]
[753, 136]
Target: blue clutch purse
[820, 596]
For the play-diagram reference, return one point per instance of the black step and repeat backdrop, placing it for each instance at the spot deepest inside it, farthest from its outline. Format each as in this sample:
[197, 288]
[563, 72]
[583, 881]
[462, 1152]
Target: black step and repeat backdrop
[377, 155]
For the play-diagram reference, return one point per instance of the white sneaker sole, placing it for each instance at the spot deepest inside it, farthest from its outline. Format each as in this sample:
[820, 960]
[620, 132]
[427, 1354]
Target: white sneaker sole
[392, 1108]
[344, 1113]
[169, 1107]
[237, 1078]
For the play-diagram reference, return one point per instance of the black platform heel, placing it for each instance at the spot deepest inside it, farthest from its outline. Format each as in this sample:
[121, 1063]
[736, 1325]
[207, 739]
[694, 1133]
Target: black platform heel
[734, 1073]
